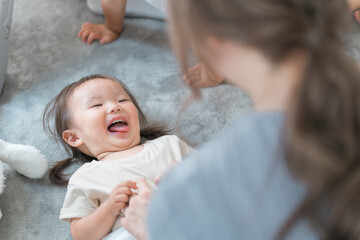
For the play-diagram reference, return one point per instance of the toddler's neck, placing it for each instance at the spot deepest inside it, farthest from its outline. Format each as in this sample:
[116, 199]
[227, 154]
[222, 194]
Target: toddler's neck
[109, 156]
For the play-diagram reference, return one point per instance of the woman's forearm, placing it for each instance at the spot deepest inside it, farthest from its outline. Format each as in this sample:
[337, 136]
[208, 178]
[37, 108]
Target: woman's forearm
[95, 226]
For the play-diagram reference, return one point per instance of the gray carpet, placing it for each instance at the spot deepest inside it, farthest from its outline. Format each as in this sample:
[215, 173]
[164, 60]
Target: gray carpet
[45, 55]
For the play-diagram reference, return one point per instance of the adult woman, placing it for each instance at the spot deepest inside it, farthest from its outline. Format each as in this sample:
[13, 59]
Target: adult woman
[289, 169]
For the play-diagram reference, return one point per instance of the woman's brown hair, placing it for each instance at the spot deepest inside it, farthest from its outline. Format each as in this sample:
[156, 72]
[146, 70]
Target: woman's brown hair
[322, 129]
[56, 121]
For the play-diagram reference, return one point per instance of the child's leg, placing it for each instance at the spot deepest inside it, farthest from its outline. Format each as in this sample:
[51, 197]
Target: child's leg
[114, 12]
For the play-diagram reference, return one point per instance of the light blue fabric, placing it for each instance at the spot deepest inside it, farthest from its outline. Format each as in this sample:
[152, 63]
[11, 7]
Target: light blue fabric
[236, 187]
[119, 234]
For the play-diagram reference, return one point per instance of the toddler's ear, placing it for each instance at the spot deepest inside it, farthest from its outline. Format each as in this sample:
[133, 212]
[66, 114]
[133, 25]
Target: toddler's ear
[71, 138]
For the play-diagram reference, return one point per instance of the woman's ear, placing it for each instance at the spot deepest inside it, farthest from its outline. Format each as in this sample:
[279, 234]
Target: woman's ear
[71, 138]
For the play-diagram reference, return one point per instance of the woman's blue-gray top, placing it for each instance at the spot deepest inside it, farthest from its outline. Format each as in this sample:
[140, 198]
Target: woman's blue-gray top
[236, 186]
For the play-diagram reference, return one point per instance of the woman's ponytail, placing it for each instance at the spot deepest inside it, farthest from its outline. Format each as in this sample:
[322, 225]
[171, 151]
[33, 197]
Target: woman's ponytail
[323, 139]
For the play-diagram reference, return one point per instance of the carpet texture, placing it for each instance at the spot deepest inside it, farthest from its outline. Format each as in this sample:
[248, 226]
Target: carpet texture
[46, 54]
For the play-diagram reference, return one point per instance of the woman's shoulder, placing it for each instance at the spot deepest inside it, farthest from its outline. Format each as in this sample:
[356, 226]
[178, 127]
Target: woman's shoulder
[249, 147]
[257, 122]
[253, 141]
[252, 130]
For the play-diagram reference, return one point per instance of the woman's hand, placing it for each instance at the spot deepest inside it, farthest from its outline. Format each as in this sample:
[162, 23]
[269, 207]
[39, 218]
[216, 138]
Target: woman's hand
[135, 215]
[120, 196]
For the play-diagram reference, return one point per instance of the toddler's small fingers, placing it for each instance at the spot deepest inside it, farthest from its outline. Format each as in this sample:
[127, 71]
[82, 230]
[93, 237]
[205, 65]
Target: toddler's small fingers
[192, 77]
[81, 32]
[122, 198]
[196, 67]
[195, 81]
[186, 80]
[84, 35]
[127, 184]
[120, 205]
[125, 190]
[85, 24]
[90, 38]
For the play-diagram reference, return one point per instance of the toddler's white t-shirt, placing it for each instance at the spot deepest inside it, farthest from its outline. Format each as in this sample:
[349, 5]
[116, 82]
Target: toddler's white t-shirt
[93, 182]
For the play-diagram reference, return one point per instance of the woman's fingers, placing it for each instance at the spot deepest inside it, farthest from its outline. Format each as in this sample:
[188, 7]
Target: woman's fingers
[134, 219]
[143, 188]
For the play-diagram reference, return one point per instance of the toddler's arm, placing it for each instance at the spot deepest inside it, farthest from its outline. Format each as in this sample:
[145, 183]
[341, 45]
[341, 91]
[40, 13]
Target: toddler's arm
[98, 224]
[114, 12]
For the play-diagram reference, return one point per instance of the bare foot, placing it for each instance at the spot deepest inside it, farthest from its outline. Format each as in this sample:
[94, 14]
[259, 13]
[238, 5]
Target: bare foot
[90, 32]
[199, 76]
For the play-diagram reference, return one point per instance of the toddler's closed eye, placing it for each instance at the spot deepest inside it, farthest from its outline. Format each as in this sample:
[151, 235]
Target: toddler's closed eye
[96, 105]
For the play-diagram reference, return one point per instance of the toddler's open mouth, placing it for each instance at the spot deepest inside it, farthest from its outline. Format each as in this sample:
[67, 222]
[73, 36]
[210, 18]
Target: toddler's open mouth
[118, 126]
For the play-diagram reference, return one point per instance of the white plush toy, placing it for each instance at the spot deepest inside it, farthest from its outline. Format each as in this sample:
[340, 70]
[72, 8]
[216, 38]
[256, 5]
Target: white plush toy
[27, 160]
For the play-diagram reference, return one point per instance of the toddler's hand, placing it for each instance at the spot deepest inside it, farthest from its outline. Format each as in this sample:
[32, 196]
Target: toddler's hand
[134, 219]
[90, 32]
[120, 196]
[201, 77]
